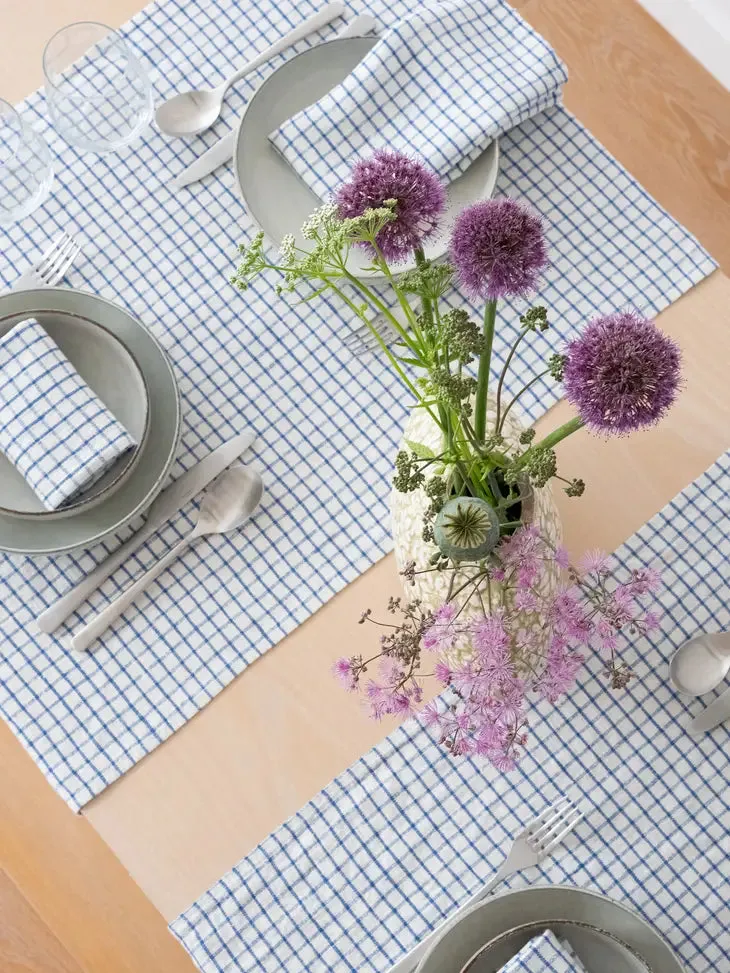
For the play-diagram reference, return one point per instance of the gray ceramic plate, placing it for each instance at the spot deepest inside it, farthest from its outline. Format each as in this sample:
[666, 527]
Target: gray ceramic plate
[89, 526]
[113, 373]
[598, 950]
[274, 194]
[546, 905]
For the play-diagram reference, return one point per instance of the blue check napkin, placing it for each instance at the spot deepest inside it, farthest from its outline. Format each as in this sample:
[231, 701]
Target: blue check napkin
[442, 84]
[53, 428]
[545, 954]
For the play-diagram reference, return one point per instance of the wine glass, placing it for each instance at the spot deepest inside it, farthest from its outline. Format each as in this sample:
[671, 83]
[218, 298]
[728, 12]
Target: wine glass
[26, 173]
[98, 93]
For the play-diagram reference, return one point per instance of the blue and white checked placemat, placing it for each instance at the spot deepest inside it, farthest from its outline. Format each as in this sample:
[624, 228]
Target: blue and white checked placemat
[328, 425]
[442, 84]
[53, 428]
[404, 836]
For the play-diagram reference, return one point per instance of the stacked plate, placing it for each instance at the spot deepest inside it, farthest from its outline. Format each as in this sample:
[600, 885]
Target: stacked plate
[606, 936]
[128, 369]
[271, 190]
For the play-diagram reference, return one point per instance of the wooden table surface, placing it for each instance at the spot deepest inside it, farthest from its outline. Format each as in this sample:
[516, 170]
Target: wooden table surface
[87, 893]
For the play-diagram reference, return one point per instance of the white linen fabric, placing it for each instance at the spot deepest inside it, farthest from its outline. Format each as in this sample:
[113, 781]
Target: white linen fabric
[407, 834]
[545, 954]
[442, 84]
[328, 424]
[54, 428]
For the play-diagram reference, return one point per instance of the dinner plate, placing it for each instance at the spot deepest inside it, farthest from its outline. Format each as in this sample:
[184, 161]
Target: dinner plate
[598, 950]
[89, 526]
[112, 372]
[277, 199]
[545, 905]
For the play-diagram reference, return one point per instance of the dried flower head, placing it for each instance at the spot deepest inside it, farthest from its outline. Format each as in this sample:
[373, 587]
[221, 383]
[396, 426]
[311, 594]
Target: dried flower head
[498, 248]
[420, 200]
[622, 373]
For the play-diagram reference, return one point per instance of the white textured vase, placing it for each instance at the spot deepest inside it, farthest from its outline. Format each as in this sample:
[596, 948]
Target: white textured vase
[407, 511]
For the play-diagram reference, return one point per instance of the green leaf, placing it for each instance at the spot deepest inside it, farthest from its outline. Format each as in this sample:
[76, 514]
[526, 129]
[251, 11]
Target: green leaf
[421, 451]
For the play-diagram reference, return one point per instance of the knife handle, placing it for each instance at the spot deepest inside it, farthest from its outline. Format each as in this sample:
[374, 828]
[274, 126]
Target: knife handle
[57, 613]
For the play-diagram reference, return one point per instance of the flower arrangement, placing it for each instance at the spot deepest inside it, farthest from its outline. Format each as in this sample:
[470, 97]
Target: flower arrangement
[504, 630]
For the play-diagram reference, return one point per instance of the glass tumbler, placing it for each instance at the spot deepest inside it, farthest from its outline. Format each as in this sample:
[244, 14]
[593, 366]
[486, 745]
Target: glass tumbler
[98, 93]
[26, 173]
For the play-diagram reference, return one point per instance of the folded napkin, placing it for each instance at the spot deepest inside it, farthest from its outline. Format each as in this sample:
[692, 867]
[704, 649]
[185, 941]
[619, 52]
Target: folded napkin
[442, 84]
[545, 954]
[53, 428]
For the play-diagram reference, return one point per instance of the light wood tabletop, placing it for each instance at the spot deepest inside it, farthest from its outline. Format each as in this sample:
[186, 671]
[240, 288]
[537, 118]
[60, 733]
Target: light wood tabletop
[89, 892]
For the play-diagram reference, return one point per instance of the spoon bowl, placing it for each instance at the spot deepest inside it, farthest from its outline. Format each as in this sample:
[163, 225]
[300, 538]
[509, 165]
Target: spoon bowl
[192, 112]
[189, 113]
[227, 504]
[701, 663]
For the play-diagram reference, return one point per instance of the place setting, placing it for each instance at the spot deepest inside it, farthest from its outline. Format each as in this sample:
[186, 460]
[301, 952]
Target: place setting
[228, 391]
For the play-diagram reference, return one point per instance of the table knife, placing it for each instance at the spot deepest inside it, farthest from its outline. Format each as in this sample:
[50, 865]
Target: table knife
[183, 489]
[222, 150]
[717, 712]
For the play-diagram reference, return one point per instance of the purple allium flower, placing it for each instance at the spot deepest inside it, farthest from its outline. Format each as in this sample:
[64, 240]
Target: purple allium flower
[441, 633]
[498, 248]
[622, 373]
[420, 200]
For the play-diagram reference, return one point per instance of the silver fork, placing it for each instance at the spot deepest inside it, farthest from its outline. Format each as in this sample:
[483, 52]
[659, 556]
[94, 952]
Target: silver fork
[52, 266]
[533, 845]
[361, 341]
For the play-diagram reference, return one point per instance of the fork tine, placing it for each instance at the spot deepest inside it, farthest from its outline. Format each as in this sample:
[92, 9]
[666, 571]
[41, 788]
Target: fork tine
[559, 838]
[60, 256]
[60, 270]
[547, 813]
[46, 262]
[545, 831]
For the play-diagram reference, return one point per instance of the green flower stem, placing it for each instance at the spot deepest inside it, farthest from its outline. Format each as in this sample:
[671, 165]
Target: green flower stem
[485, 360]
[383, 309]
[391, 357]
[553, 438]
[500, 421]
[426, 304]
[503, 375]
[404, 305]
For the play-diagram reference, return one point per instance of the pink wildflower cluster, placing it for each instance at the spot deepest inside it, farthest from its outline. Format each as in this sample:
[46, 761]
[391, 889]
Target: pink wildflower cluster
[527, 646]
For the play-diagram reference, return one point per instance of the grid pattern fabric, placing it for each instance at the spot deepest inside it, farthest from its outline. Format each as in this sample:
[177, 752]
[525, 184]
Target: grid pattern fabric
[53, 428]
[545, 954]
[405, 835]
[328, 424]
[442, 84]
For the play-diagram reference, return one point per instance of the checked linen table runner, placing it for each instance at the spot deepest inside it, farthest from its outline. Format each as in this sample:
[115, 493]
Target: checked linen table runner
[328, 424]
[404, 836]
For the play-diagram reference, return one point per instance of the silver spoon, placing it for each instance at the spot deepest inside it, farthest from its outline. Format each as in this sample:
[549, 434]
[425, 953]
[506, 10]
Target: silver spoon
[227, 504]
[701, 663]
[191, 112]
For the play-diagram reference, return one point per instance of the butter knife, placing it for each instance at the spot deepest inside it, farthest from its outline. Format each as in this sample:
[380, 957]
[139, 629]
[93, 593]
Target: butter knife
[717, 712]
[220, 152]
[183, 489]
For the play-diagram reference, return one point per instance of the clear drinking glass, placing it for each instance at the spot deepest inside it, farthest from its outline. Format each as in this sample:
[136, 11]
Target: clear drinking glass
[98, 93]
[26, 173]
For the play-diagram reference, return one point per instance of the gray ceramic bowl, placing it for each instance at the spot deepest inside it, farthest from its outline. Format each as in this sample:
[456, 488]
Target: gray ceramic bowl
[113, 373]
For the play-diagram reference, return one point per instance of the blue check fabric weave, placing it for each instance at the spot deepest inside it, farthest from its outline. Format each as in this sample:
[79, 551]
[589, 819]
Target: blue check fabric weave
[328, 424]
[54, 428]
[441, 84]
[405, 835]
[545, 954]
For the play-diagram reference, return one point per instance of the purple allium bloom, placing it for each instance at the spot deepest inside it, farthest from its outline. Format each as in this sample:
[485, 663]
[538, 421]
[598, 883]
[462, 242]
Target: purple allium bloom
[498, 248]
[622, 373]
[420, 200]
